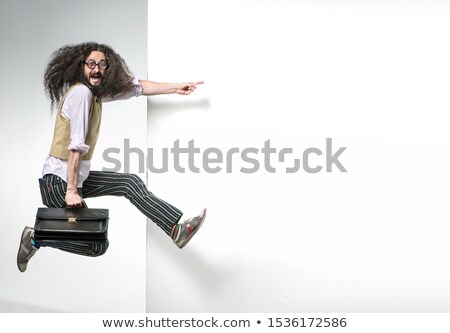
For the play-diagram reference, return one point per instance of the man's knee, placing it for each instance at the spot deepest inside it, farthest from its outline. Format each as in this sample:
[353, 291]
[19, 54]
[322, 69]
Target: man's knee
[98, 248]
[134, 179]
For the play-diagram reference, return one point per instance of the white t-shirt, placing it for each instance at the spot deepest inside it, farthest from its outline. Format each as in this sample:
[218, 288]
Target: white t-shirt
[76, 108]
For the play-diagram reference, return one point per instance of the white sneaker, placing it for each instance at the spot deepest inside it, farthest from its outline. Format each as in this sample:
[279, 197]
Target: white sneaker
[188, 228]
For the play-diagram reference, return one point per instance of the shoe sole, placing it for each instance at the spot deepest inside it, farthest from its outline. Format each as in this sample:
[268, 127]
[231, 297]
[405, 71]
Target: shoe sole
[195, 231]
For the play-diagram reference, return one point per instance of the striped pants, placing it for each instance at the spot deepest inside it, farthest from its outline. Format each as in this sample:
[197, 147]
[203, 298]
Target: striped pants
[100, 183]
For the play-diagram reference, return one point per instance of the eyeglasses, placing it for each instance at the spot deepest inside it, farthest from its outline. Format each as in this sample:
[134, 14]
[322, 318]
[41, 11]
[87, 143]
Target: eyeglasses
[102, 64]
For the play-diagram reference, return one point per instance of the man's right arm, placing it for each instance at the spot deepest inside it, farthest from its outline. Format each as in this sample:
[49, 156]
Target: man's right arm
[76, 107]
[73, 170]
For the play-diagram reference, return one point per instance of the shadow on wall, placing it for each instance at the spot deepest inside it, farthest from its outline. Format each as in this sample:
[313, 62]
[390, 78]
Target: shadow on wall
[212, 278]
[171, 105]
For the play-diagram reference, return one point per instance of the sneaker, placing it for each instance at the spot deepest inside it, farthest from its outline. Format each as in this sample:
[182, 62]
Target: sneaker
[26, 249]
[188, 228]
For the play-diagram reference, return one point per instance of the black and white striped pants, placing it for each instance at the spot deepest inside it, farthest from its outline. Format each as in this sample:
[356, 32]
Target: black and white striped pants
[100, 183]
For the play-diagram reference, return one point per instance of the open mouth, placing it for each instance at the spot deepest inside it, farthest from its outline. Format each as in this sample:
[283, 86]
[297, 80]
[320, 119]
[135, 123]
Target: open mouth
[95, 79]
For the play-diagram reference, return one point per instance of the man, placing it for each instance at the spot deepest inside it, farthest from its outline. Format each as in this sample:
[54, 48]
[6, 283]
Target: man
[78, 78]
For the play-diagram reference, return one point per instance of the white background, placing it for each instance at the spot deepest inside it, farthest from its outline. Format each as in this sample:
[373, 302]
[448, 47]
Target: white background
[56, 281]
[371, 75]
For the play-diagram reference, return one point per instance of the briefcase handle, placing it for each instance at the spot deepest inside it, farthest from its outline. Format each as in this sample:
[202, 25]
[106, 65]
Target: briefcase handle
[83, 205]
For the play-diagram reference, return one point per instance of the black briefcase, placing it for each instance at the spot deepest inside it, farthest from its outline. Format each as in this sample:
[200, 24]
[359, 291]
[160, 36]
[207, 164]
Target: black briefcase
[71, 224]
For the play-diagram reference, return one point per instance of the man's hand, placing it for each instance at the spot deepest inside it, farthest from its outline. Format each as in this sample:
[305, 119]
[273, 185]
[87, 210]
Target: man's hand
[73, 200]
[187, 87]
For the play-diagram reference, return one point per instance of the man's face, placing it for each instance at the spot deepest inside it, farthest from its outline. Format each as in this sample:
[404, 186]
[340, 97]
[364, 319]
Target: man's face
[94, 75]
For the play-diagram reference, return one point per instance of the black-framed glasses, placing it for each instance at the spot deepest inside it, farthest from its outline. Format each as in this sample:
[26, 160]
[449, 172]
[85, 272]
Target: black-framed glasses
[102, 64]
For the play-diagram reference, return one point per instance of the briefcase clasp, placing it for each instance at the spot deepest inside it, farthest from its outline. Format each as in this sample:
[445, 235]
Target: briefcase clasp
[72, 219]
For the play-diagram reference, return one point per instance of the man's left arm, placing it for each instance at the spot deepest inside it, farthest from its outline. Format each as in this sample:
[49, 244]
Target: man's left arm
[157, 88]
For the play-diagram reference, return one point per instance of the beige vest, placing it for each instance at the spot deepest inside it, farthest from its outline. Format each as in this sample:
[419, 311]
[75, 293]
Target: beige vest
[61, 135]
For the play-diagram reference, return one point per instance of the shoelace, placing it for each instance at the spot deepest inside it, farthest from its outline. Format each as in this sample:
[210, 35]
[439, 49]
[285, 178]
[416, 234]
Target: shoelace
[188, 222]
[32, 252]
[192, 219]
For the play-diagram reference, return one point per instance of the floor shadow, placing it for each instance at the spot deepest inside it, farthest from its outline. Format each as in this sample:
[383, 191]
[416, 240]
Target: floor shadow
[14, 307]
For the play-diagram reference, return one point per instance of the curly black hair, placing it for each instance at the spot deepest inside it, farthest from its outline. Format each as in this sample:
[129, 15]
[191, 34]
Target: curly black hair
[65, 69]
